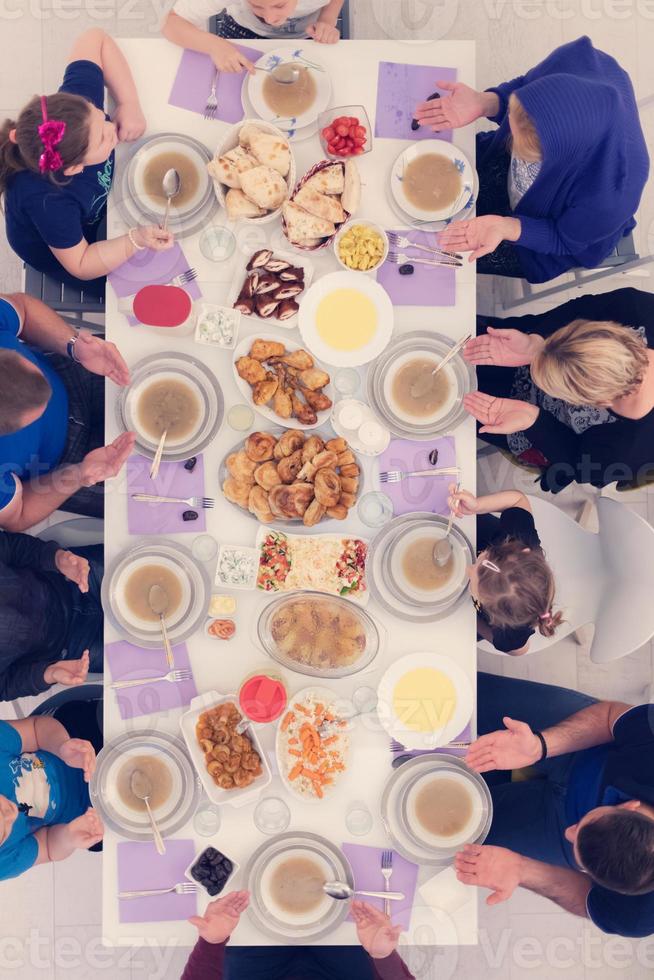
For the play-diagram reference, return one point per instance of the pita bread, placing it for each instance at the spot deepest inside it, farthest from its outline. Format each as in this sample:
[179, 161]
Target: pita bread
[351, 197]
[320, 204]
[302, 225]
[271, 151]
[237, 205]
[329, 180]
[247, 132]
[228, 167]
[265, 186]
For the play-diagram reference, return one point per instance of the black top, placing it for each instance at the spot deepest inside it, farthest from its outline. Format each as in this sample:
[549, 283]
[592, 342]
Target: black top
[620, 451]
[35, 606]
[515, 522]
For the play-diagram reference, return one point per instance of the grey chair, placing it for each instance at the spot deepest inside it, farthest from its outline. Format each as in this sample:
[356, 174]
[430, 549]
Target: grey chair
[70, 302]
[343, 22]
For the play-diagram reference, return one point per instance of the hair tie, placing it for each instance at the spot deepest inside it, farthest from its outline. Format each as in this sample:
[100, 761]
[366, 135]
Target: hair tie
[51, 133]
[490, 564]
[546, 616]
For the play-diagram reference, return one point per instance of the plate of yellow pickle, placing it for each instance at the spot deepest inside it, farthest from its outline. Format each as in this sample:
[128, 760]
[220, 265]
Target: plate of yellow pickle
[361, 246]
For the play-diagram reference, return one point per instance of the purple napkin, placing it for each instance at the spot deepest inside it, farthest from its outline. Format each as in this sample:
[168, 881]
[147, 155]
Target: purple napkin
[127, 662]
[193, 83]
[172, 481]
[398, 749]
[366, 865]
[418, 493]
[399, 89]
[141, 868]
[429, 285]
[151, 269]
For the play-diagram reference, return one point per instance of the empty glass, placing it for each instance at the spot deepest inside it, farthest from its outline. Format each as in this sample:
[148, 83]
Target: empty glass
[217, 243]
[358, 819]
[240, 417]
[271, 815]
[206, 821]
[375, 509]
[346, 381]
[204, 547]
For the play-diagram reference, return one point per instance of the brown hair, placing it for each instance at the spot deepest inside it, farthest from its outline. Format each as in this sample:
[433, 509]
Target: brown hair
[522, 592]
[617, 850]
[524, 140]
[591, 362]
[23, 390]
[24, 154]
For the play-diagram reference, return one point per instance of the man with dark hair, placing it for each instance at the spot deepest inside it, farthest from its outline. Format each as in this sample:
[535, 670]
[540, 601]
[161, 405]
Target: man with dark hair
[52, 415]
[578, 825]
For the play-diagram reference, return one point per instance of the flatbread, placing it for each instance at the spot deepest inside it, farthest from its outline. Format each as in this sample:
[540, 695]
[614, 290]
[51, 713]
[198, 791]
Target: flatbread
[319, 204]
[227, 169]
[238, 205]
[265, 186]
[329, 180]
[302, 225]
[351, 196]
[246, 133]
[271, 151]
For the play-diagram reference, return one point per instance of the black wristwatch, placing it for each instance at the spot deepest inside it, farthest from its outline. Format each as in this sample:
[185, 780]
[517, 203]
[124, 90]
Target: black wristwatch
[70, 347]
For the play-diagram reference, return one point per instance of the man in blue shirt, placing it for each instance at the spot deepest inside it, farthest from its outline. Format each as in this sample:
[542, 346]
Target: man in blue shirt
[51, 415]
[580, 829]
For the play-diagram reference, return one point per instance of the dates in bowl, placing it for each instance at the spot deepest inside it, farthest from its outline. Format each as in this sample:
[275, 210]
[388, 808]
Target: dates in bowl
[212, 870]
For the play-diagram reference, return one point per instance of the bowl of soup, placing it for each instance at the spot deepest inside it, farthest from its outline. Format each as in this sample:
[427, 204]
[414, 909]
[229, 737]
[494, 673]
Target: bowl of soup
[414, 573]
[153, 160]
[289, 106]
[444, 809]
[432, 180]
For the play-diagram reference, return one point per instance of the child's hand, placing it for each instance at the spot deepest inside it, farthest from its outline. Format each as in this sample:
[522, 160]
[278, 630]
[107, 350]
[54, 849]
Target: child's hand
[87, 830]
[323, 33]
[73, 567]
[78, 754]
[227, 57]
[71, 673]
[154, 237]
[130, 121]
[463, 503]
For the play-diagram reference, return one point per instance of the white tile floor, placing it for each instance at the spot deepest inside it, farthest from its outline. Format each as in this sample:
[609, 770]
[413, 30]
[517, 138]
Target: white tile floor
[50, 918]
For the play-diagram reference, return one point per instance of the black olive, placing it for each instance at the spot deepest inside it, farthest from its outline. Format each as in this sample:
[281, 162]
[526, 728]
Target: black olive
[192, 515]
[433, 457]
[190, 463]
[404, 270]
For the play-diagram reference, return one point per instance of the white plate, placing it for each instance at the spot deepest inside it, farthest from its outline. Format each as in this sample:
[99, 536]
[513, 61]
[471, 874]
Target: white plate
[443, 148]
[292, 135]
[244, 348]
[470, 828]
[305, 57]
[194, 153]
[441, 733]
[369, 288]
[239, 278]
[187, 723]
[440, 413]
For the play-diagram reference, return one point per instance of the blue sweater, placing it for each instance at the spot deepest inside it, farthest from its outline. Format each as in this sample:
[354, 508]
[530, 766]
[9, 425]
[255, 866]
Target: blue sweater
[595, 161]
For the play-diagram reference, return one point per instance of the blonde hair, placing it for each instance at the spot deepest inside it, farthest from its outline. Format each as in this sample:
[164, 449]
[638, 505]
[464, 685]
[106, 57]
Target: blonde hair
[591, 363]
[524, 141]
[522, 592]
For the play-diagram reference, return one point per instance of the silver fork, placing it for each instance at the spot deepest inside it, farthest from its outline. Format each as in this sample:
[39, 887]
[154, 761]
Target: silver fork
[183, 888]
[184, 277]
[205, 502]
[401, 241]
[399, 258]
[396, 476]
[211, 107]
[387, 871]
[173, 677]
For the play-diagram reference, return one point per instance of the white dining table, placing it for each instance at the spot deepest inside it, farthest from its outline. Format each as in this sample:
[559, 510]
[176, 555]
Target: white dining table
[353, 66]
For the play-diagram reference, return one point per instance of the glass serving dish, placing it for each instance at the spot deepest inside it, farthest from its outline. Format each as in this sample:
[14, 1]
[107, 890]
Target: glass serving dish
[195, 592]
[427, 345]
[296, 929]
[180, 368]
[174, 813]
[327, 117]
[303, 631]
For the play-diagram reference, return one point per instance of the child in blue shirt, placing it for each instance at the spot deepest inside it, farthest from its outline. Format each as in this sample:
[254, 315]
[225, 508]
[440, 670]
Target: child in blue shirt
[56, 169]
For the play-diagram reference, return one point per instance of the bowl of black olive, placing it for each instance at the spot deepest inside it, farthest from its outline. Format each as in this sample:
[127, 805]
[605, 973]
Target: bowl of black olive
[212, 870]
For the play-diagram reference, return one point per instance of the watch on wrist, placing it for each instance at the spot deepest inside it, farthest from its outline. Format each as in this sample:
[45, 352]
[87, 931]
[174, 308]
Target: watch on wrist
[70, 347]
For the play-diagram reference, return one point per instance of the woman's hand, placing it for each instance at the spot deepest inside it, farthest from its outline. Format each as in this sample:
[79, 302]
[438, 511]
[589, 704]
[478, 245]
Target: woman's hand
[73, 567]
[71, 673]
[78, 754]
[502, 348]
[154, 237]
[491, 867]
[462, 503]
[101, 464]
[500, 415]
[480, 236]
[101, 357]
[227, 57]
[323, 33]
[85, 831]
[462, 107]
[130, 121]
[514, 747]
[376, 934]
[221, 917]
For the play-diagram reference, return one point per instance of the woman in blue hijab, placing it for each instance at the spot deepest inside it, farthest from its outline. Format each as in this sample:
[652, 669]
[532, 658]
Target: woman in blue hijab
[562, 175]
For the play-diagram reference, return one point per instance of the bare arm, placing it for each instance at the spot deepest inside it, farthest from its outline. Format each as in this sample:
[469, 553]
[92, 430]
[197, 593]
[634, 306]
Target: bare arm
[97, 46]
[329, 14]
[502, 501]
[91, 261]
[40, 732]
[41, 326]
[567, 888]
[586, 728]
[223, 53]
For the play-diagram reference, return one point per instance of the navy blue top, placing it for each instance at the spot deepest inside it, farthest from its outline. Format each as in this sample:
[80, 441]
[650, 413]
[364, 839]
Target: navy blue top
[37, 448]
[41, 215]
[595, 161]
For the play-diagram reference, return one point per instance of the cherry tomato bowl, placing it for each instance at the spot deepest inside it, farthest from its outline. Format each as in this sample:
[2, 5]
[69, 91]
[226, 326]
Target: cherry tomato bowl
[345, 131]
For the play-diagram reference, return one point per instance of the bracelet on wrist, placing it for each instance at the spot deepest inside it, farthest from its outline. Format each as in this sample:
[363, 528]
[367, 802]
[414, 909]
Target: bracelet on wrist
[543, 745]
[130, 235]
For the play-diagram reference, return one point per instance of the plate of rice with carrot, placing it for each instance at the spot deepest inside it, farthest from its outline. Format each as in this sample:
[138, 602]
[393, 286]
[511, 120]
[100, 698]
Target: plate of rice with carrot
[312, 744]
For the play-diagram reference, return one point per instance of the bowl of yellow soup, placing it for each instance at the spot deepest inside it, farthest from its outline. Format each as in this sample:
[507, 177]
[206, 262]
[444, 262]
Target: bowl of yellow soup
[361, 246]
[346, 319]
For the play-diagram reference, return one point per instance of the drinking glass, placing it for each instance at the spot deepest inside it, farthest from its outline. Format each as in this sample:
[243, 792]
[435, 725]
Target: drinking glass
[358, 818]
[217, 243]
[206, 821]
[271, 815]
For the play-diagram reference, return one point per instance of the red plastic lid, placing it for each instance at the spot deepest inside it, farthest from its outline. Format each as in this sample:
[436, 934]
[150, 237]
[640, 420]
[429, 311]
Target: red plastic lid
[262, 698]
[162, 306]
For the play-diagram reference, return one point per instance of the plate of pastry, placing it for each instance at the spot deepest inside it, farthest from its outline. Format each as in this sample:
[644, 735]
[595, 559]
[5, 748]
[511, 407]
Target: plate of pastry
[322, 201]
[271, 286]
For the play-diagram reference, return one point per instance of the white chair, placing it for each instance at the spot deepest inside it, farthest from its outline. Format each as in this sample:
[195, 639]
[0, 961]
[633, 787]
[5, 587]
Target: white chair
[75, 532]
[604, 578]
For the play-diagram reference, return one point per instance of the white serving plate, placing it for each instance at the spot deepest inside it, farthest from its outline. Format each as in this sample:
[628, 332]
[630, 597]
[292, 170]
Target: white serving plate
[443, 148]
[304, 56]
[271, 321]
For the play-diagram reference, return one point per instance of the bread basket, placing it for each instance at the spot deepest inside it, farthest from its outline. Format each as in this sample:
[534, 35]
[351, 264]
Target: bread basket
[321, 165]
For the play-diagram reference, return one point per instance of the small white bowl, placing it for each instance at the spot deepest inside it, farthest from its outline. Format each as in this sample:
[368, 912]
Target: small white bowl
[189, 876]
[347, 227]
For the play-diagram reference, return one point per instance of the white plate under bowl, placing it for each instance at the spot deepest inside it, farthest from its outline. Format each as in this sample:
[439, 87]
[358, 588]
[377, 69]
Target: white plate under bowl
[155, 148]
[442, 148]
[412, 592]
[369, 288]
[254, 85]
[242, 349]
[441, 733]
[467, 832]
[440, 413]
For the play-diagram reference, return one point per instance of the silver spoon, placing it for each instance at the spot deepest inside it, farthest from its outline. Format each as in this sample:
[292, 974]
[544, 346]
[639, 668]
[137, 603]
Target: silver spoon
[424, 383]
[158, 602]
[141, 786]
[286, 74]
[443, 548]
[342, 892]
[156, 462]
[171, 186]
